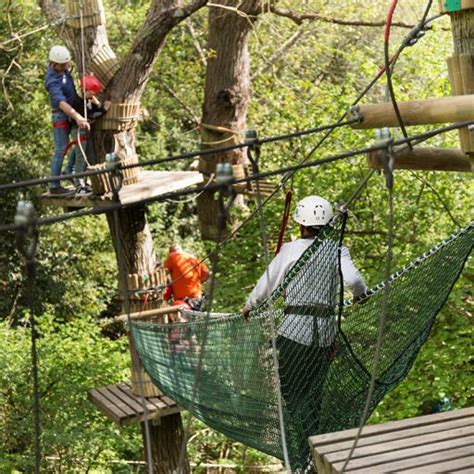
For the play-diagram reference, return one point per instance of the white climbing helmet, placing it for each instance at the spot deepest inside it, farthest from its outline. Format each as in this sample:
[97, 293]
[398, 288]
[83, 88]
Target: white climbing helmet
[59, 54]
[312, 211]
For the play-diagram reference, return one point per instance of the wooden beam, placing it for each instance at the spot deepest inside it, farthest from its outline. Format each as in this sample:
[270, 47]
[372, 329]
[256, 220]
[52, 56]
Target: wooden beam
[426, 158]
[151, 313]
[416, 112]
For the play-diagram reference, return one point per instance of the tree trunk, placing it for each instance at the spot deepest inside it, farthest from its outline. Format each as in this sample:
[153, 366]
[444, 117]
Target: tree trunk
[226, 96]
[462, 27]
[124, 82]
[166, 441]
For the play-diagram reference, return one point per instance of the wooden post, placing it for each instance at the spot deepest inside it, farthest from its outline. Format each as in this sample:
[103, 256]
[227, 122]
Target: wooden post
[461, 64]
[417, 112]
[426, 158]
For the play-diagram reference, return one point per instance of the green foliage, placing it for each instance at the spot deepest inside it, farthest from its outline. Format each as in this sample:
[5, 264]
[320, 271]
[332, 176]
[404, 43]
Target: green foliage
[309, 84]
[73, 358]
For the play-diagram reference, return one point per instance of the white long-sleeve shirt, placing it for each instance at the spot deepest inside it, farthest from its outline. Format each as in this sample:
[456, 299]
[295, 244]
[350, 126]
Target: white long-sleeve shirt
[315, 284]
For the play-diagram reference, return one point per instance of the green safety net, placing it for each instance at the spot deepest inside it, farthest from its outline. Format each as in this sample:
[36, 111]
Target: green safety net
[225, 370]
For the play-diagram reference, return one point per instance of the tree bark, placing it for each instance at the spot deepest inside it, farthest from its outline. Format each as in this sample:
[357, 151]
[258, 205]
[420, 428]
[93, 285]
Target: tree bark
[226, 96]
[166, 441]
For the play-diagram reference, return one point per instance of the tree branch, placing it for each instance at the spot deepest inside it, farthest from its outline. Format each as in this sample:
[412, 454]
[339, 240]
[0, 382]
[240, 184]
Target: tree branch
[135, 69]
[197, 45]
[280, 52]
[299, 18]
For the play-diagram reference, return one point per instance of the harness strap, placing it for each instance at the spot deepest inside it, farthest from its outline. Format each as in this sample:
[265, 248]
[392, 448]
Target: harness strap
[82, 138]
[62, 124]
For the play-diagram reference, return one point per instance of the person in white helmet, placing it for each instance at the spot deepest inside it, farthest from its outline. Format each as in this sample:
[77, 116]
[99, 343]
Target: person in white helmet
[312, 213]
[62, 94]
[307, 332]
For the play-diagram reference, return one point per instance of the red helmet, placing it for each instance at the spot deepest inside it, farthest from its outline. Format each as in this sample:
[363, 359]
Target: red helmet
[91, 83]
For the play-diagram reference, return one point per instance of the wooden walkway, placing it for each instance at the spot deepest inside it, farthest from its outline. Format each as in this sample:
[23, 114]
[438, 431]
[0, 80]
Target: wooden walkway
[443, 442]
[119, 404]
[151, 184]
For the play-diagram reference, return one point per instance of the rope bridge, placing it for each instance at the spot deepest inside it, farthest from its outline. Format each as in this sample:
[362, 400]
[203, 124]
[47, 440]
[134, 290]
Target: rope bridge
[325, 348]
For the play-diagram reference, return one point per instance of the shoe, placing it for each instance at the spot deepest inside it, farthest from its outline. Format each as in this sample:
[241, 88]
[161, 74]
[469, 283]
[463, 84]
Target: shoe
[59, 190]
[83, 190]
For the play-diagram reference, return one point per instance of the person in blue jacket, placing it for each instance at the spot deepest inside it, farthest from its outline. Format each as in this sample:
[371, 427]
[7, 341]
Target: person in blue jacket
[62, 94]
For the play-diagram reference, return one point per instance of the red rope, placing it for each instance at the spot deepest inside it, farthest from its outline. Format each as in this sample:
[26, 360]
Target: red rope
[284, 222]
[388, 24]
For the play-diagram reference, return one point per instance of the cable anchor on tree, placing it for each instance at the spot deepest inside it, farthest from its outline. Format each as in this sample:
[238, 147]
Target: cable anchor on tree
[387, 155]
[114, 166]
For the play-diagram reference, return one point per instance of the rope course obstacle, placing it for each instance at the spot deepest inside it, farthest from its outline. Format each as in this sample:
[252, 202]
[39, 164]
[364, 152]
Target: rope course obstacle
[241, 377]
[324, 382]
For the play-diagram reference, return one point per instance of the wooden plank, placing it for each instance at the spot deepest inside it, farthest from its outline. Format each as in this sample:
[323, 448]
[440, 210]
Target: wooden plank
[405, 434]
[156, 184]
[156, 404]
[370, 430]
[369, 461]
[453, 465]
[401, 443]
[134, 403]
[106, 406]
[426, 463]
[152, 184]
[416, 112]
[168, 401]
[117, 402]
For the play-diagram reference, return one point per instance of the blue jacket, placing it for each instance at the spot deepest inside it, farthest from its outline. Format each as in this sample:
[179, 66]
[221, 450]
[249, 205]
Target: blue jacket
[60, 88]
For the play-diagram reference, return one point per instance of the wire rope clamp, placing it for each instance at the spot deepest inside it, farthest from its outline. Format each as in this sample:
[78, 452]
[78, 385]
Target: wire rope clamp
[113, 164]
[224, 177]
[27, 232]
[354, 114]
[384, 139]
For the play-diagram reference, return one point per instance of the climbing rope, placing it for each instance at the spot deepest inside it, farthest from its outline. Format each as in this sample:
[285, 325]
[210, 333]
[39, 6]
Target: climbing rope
[27, 242]
[273, 325]
[281, 171]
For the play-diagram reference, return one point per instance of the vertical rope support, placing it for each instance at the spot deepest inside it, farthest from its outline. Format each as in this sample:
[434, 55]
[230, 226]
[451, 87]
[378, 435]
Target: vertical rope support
[27, 241]
[214, 265]
[276, 371]
[381, 327]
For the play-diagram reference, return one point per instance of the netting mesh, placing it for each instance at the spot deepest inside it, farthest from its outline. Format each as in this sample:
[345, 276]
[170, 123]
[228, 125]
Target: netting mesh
[325, 348]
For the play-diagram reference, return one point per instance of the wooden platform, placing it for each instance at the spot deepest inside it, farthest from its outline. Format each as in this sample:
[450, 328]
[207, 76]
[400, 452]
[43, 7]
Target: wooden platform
[119, 404]
[443, 442]
[152, 184]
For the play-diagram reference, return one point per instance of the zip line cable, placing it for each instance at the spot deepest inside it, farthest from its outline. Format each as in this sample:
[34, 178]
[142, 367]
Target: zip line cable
[171, 195]
[172, 158]
[408, 41]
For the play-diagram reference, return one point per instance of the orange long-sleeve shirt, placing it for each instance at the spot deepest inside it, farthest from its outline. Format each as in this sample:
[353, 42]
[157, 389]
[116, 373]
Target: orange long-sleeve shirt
[187, 273]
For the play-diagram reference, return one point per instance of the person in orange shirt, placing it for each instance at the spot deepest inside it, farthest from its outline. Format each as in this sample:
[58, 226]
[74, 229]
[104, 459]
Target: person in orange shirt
[187, 275]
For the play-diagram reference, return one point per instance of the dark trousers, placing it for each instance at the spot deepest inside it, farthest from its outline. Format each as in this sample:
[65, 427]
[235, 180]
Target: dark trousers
[303, 370]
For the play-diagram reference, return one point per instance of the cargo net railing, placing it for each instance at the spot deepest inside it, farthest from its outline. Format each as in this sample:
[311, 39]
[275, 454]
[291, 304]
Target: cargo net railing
[325, 348]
